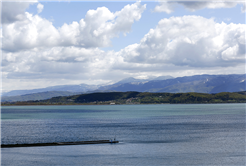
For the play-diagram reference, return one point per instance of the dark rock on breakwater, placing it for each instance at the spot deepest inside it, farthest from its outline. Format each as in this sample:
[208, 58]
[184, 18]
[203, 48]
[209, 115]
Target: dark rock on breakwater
[58, 143]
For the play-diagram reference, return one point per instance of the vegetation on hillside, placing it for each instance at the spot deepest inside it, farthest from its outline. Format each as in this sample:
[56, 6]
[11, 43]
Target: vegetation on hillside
[139, 98]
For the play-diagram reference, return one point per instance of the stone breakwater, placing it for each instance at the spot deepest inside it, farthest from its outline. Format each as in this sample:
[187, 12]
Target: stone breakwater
[58, 143]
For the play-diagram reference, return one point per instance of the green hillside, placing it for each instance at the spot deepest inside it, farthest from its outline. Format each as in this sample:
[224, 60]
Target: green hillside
[139, 98]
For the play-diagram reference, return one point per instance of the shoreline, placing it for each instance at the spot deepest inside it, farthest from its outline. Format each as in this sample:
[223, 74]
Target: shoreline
[137, 98]
[116, 104]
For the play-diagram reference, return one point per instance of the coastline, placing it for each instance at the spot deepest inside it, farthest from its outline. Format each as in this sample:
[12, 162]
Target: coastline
[115, 104]
[136, 98]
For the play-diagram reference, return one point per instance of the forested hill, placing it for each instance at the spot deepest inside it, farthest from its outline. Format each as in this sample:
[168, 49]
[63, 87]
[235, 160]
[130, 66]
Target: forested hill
[140, 98]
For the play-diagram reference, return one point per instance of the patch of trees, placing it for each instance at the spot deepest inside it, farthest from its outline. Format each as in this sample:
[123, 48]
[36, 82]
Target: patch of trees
[140, 98]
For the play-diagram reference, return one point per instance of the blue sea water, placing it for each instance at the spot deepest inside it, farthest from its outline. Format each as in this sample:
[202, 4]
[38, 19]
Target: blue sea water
[166, 134]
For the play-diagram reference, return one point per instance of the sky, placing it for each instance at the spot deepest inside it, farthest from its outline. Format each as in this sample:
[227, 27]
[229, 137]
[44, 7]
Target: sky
[48, 43]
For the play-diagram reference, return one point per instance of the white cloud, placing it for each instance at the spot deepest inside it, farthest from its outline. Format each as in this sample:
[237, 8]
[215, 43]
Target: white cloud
[230, 53]
[34, 50]
[14, 11]
[40, 7]
[176, 44]
[165, 7]
[71, 63]
[34, 31]
[243, 8]
[190, 41]
[169, 6]
[95, 30]
[1, 33]
[56, 54]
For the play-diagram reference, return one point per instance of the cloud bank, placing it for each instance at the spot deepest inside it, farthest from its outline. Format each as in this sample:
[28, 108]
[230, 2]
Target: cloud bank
[188, 41]
[33, 48]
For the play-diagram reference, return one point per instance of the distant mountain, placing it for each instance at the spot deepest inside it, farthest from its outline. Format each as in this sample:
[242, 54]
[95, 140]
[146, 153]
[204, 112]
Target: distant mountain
[197, 83]
[66, 88]
[163, 78]
[127, 80]
[37, 96]
[82, 87]
[131, 80]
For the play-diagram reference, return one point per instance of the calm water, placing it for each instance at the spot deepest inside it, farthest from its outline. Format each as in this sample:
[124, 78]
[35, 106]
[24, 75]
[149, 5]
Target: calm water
[184, 134]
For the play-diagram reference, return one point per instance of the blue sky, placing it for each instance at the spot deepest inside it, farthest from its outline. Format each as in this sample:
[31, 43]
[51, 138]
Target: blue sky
[56, 43]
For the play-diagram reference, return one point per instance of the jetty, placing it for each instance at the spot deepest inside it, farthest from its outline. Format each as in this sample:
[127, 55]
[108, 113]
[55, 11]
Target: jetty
[59, 143]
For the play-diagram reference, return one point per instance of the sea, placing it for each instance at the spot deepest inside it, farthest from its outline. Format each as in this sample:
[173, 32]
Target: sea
[162, 134]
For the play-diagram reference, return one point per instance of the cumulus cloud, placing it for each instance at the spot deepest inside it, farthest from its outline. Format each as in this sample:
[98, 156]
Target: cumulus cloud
[55, 54]
[58, 62]
[34, 49]
[243, 8]
[1, 34]
[169, 6]
[95, 30]
[190, 41]
[14, 11]
[40, 7]
[177, 43]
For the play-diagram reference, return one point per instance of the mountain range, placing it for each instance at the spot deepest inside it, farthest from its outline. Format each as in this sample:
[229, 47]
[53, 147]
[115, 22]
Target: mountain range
[197, 83]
